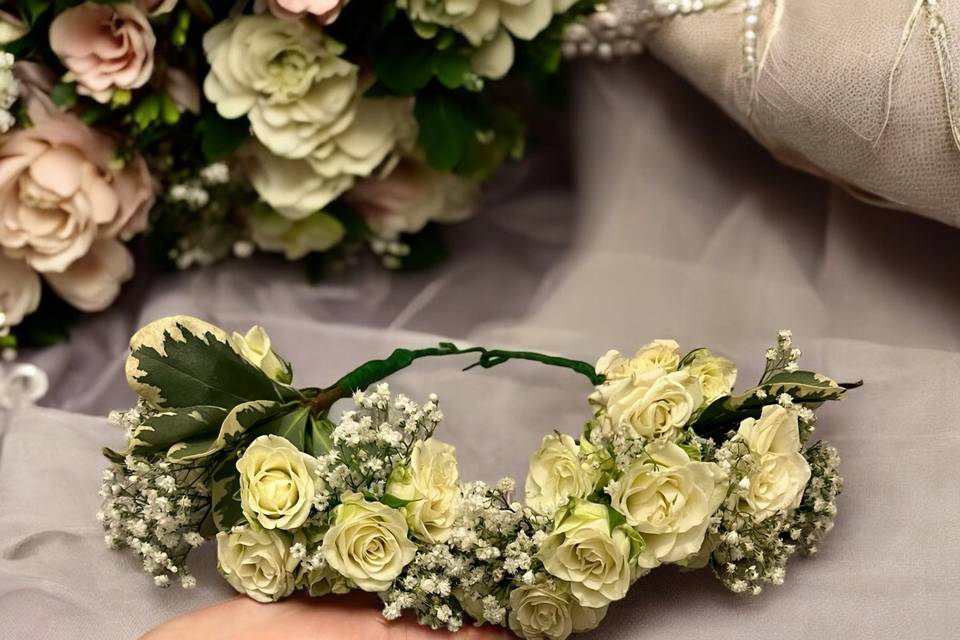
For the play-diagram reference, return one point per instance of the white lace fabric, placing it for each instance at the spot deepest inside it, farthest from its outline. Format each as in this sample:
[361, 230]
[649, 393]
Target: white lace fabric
[863, 92]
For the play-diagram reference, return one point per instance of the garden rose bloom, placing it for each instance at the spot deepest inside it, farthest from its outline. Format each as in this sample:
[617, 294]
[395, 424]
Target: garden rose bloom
[659, 354]
[653, 404]
[412, 195]
[669, 499]
[546, 610]
[106, 47]
[717, 375]
[257, 562]
[326, 11]
[11, 28]
[583, 551]
[431, 485]
[19, 290]
[276, 483]
[557, 473]
[367, 542]
[63, 206]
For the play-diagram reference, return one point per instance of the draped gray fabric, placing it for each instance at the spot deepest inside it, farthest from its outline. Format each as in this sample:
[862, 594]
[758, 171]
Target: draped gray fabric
[677, 225]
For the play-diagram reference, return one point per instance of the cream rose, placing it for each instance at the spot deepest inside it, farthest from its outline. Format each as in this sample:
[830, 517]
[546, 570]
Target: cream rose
[412, 195]
[546, 610]
[296, 239]
[716, 374]
[11, 28]
[286, 77]
[481, 20]
[431, 487]
[659, 354]
[257, 562]
[653, 404]
[367, 542]
[779, 473]
[583, 551]
[19, 291]
[669, 499]
[256, 348]
[276, 483]
[105, 47]
[558, 471]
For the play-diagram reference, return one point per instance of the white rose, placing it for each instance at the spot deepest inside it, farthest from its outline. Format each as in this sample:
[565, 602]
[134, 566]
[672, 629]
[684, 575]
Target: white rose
[367, 543]
[276, 483]
[256, 348]
[481, 20]
[716, 374]
[19, 291]
[298, 188]
[11, 28]
[286, 76]
[653, 404]
[670, 499]
[777, 431]
[546, 610]
[659, 354]
[257, 562]
[559, 471]
[584, 552]
[272, 231]
[779, 473]
[431, 485]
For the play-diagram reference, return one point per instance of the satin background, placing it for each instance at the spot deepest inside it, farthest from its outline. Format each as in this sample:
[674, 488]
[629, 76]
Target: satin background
[671, 222]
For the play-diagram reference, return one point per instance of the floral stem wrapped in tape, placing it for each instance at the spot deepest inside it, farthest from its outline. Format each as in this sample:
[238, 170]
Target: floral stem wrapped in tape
[672, 467]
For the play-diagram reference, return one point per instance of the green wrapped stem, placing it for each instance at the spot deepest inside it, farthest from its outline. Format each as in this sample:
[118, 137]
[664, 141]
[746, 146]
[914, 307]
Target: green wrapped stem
[374, 371]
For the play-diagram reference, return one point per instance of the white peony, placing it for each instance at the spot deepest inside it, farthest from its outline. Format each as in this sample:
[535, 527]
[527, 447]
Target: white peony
[669, 499]
[546, 610]
[583, 551]
[431, 487]
[19, 291]
[256, 347]
[780, 473]
[276, 483]
[559, 471]
[367, 542]
[285, 76]
[257, 562]
[716, 374]
[652, 404]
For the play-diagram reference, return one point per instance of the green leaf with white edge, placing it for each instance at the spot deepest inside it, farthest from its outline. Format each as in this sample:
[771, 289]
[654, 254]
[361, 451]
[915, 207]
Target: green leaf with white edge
[805, 387]
[164, 430]
[225, 494]
[291, 426]
[185, 362]
[242, 418]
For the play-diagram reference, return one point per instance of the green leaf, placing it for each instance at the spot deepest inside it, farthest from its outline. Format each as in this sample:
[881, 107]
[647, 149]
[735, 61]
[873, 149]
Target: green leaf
[220, 137]
[225, 494]
[319, 437]
[445, 129]
[242, 418]
[184, 362]
[147, 111]
[292, 426]
[161, 432]
[615, 518]
[64, 95]
[451, 68]
[394, 502]
[31, 10]
[403, 69]
[805, 387]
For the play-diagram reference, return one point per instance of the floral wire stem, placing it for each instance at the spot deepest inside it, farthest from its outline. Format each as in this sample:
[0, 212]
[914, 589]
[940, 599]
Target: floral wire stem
[374, 371]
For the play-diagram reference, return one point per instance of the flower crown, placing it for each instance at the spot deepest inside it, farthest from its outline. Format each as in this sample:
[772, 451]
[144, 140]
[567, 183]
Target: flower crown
[671, 468]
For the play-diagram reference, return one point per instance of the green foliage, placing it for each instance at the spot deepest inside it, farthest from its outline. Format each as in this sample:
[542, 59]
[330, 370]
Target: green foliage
[32, 10]
[166, 429]
[445, 128]
[202, 370]
[292, 426]
[225, 494]
[427, 249]
[220, 137]
[64, 95]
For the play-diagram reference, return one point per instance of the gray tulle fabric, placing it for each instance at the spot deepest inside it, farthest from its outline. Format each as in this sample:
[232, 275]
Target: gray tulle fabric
[677, 224]
[863, 92]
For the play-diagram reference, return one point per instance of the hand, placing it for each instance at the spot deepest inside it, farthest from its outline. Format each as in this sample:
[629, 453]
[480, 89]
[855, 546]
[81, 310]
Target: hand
[353, 617]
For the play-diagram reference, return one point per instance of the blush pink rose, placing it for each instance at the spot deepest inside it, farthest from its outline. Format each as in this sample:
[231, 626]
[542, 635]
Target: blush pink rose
[64, 208]
[19, 291]
[106, 47]
[326, 11]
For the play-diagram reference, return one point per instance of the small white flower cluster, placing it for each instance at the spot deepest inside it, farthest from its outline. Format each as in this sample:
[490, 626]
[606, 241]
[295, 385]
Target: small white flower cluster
[815, 516]
[155, 508]
[9, 91]
[371, 441]
[391, 252]
[784, 356]
[494, 544]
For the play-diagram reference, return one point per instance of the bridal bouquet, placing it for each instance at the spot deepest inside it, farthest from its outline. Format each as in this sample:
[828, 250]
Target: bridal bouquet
[311, 128]
[672, 467]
